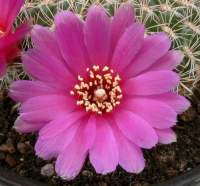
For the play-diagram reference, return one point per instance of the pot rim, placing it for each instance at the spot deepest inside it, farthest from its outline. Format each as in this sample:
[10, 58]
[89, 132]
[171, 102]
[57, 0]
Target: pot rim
[191, 178]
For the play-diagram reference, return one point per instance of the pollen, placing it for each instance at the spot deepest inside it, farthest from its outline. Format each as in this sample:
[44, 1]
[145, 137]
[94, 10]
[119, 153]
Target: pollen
[99, 91]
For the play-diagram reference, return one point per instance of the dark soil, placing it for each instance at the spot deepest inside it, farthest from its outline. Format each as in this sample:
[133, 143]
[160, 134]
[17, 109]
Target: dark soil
[162, 162]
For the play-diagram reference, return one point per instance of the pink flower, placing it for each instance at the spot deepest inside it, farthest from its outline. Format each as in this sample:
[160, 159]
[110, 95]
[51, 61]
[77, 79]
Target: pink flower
[9, 39]
[99, 88]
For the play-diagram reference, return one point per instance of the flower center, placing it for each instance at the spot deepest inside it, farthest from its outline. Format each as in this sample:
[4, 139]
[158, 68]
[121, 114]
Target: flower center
[99, 91]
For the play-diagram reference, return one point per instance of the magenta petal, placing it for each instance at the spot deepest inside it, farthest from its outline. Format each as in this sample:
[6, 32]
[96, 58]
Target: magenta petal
[43, 37]
[69, 34]
[155, 82]
[57, 134]
[128, 46]
[71, 160]
[97, 35]
[136, 129]
[26, 127]
[168, 61]
[175, 101]
[166, 136]
[13, 38]
[3, 66]
[60, 124]
[50, 147]
[48, 68]
[130, 156]
[154, 47]
[9, 10]
[104, 152]
[46, 108]
[122, 19]
[25, 89]
[89, 130]
[160, 115]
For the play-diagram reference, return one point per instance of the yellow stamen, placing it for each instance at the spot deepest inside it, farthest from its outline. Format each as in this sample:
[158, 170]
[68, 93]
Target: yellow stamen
[100, 92]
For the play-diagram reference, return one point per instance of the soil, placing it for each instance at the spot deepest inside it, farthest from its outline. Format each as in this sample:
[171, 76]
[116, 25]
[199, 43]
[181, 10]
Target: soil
[162, 162]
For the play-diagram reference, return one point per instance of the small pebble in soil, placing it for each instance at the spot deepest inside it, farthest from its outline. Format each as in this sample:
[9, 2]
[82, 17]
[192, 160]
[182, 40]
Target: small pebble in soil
[189, 115]
[87, 173]
[22, 147]
[10, 160]
[171, 172]
[7, 148]
[47, 170]
[182, 165]
[166, 157]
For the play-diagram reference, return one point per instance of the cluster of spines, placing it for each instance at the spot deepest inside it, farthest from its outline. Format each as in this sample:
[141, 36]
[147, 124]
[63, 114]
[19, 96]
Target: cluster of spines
[180, 19]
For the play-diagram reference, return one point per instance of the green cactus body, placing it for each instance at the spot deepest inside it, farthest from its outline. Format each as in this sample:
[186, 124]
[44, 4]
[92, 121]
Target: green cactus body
[180, 19]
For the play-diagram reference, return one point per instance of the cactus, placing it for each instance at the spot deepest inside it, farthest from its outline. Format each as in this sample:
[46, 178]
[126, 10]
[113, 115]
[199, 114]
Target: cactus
[180, 19]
